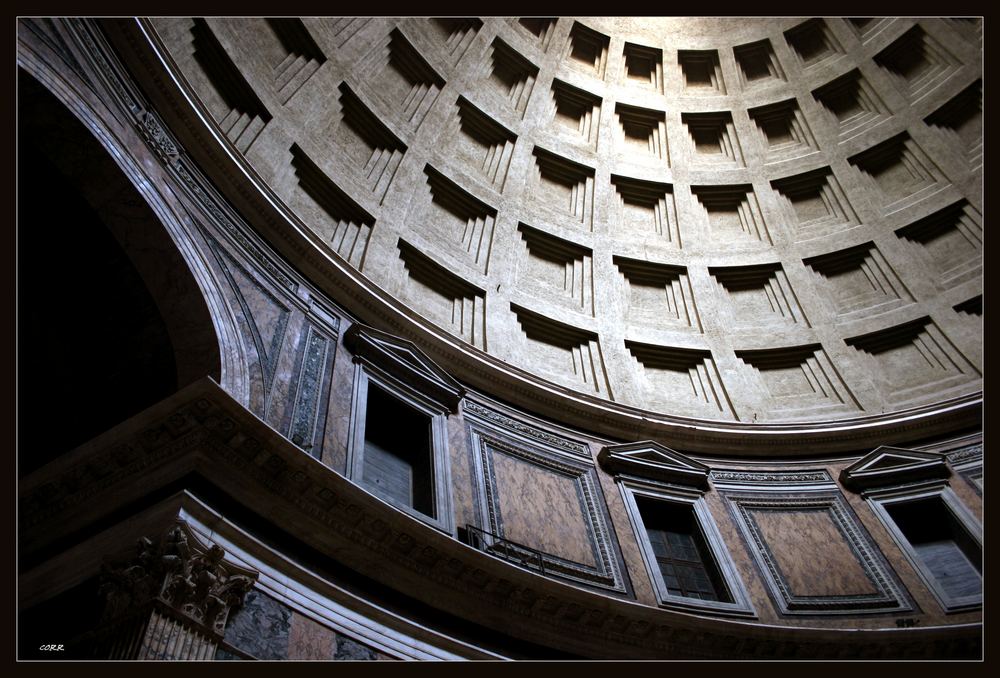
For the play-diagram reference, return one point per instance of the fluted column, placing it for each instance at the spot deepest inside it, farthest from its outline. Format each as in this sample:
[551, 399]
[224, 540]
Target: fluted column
[169, 600]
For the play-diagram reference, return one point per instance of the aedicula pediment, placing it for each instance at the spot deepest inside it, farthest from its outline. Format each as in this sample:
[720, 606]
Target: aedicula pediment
[403, 360]
[887, 465]
[650, 459]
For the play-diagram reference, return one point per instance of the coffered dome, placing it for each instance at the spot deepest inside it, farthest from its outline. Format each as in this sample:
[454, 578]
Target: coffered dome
[721, 220]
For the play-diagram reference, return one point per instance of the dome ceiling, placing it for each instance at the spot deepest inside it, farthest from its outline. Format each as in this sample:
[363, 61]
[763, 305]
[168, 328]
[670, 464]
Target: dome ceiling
[723, 220]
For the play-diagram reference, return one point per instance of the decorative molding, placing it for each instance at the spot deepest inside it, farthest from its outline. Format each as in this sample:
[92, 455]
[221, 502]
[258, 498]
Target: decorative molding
[889, 596]
[48, 33]
[607, 573]
[886, 466]
[175, 160]
[308, 409]
[519, 428]
[650, 459]
[268, 354]
[156, 137]
[229, 226]
[203, 428]
[971, 453]
[99, 54]
[403, 360]
[720, 477]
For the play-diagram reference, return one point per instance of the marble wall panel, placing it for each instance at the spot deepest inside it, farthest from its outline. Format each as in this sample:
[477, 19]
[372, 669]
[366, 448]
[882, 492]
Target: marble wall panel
[794, 536]
[261, 627]
[462, 479]
[804, 543]
[541, 509]
[309, 640]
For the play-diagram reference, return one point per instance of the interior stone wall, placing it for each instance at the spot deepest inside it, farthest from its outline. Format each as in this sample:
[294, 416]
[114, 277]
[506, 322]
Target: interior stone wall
[269, 630]
[837, 315]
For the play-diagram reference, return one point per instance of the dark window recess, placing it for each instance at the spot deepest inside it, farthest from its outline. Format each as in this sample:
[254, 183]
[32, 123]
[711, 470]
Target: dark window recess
[950, 554]
[397, 459]
[681, 553]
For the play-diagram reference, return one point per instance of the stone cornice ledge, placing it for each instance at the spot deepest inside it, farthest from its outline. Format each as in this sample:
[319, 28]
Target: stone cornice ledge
[202, 431]
[249, 193]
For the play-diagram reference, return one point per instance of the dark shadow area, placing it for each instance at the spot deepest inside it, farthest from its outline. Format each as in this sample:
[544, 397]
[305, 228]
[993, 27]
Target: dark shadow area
[93, 349]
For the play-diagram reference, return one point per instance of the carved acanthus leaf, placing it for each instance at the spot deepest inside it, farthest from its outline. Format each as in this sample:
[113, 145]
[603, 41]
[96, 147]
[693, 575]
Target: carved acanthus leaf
[180, 572]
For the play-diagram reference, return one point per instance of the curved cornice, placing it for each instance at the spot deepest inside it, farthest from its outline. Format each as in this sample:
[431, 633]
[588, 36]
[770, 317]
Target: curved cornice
[201, 431]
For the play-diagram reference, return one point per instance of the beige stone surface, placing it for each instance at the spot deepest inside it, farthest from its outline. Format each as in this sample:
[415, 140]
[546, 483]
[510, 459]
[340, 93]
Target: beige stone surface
[780, 140]
[812, 554]
[540, 508]
[309, 640]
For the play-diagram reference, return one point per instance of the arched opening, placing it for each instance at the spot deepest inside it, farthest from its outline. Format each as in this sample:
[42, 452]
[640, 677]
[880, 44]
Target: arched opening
[110, 321]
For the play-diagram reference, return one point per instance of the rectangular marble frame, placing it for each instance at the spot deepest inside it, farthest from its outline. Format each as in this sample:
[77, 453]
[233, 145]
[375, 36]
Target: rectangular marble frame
[890, 596]
[541, 449]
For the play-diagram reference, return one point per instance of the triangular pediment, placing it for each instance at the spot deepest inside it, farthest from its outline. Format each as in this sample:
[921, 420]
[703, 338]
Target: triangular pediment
[887, 465]
[650, 459]
[402, 359]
